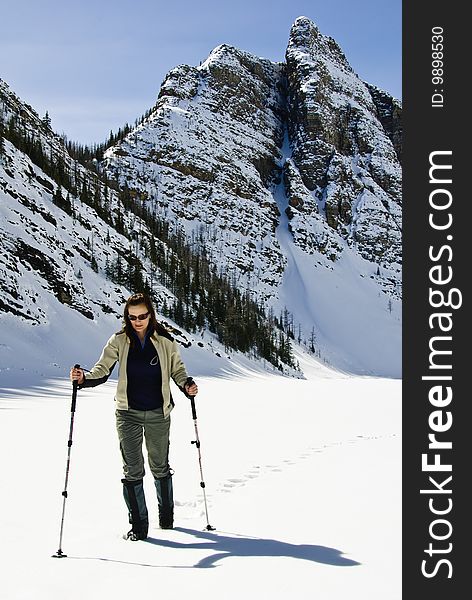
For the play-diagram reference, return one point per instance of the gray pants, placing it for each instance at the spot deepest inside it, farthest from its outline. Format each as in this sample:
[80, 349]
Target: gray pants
[132, 425]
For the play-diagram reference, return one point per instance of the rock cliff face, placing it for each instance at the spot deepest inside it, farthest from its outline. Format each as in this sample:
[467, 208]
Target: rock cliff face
[389, 112]
[207, 156]
[342, 155]
[223, 135]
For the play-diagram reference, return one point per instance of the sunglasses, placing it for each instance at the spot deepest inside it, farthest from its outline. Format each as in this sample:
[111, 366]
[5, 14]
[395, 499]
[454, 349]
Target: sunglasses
[139, 317]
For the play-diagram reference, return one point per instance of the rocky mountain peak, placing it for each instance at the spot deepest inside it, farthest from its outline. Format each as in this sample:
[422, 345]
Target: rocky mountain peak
[303, 33]
[305, 37]
[225, 54]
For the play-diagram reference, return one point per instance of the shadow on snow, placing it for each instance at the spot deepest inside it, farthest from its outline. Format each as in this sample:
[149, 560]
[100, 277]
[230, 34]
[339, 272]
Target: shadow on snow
[226, 546]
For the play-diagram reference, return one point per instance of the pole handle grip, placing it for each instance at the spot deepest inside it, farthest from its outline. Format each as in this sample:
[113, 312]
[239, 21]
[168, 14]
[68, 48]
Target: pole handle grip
[194, 410]
[75, 384]
[190, 381]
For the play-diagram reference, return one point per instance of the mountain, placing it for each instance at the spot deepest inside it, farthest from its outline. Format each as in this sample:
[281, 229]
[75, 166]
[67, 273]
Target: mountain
[73, 248]
[282, 179]
[283, 172]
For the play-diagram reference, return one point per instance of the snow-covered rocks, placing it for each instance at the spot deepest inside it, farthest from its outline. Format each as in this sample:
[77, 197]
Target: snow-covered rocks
[342, 146]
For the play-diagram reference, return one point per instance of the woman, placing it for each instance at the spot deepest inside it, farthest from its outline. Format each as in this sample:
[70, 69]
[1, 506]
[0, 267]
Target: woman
[148, 357]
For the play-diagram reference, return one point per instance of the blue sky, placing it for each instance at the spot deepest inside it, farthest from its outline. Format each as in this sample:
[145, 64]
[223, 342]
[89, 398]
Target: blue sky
[96, 64]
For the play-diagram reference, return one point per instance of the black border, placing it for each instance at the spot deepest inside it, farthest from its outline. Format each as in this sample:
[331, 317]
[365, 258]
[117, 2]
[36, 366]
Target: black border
[428, 129]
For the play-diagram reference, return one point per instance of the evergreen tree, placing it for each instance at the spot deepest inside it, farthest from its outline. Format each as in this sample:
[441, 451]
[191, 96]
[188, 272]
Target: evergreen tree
[119, 271]
[61, 202]
[93, 261]
[46, 120]
[312, 340]
[2, 139]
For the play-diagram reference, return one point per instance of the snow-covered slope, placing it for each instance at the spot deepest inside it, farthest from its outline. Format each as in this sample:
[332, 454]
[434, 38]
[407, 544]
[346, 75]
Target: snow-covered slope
[56, 309]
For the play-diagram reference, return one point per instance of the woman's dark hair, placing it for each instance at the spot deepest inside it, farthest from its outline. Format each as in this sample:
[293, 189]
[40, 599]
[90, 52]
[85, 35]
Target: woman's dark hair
[135, 300]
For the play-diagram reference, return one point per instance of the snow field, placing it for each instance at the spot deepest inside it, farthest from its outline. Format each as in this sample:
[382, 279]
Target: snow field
[303, 486]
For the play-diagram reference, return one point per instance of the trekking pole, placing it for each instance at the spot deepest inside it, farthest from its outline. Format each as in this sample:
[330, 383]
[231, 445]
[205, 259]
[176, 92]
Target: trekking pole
[59, 553]
[197, 443]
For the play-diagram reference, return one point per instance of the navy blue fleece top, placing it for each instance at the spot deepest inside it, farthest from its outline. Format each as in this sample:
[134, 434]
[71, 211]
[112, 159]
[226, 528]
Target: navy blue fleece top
[144, 375]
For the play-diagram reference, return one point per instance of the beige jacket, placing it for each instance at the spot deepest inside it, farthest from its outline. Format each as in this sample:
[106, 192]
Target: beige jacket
[116, 350]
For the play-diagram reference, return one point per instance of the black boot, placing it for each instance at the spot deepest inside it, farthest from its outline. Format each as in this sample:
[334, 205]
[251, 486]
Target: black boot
[165, 498]
[133, 493]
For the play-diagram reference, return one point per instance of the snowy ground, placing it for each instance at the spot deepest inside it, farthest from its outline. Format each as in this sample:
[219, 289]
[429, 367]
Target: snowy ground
[303, 482]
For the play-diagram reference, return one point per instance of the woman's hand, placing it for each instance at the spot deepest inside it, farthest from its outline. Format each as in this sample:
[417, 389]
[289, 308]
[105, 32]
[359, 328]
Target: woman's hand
[77, 375]
[191, 389]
